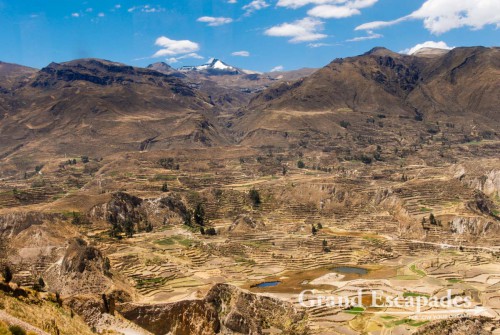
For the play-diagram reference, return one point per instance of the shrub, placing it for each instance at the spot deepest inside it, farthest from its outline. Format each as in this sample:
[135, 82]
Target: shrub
[301, 165]
[148, 227]
[168, 163]
[366, 159]
[79, 219]
[16, 330]
[85, 159]
[344, 124]
[211, 231]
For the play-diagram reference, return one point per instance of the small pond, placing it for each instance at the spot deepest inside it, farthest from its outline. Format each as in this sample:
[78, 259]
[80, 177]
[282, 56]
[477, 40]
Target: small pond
[267, 284]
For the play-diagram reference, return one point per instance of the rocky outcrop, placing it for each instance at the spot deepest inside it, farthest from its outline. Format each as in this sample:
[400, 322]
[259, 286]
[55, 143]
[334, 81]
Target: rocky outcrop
[483, 204]
[81, 257]
[226, 309]
[244, 223]
[460, 326]
[181, 318]
[244, 312]
[488, 182]
[13, 223]
[82, 270]
[476, 226]
[122, 209]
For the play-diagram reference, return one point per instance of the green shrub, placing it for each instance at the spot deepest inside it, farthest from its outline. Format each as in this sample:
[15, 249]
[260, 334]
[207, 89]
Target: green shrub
[344, 124]
[199, 215]
[16, 330]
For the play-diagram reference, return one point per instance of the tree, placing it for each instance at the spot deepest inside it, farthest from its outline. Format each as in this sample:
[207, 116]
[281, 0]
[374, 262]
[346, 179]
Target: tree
[148, 227]
[164, 187]
[59, 300]
[116, 230]
[7, 274]
[85, 159]
[314, 230]
[199, 215]
[432, 219]
[129, 228]
[301, 165]
[39, 285]
[188, 218]
[255, 197]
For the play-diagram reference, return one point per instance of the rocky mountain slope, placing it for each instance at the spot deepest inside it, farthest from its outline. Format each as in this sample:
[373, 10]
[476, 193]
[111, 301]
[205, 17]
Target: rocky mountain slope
[399, 93]
[74, 108]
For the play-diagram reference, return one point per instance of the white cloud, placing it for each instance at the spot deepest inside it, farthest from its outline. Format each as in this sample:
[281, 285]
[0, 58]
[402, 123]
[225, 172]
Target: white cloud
[329, 9]
[146, 9]
[101, 15]
[294, 4]
[89, 10]
[75, 14]
[254, 6]
[330, 5]
[371, 36]
[172, 47]
[304, 30]
[232, 1]
[428, 44]
[172, 60]
[118, 6]
[318, 45]
[278, 68]
[338, 9]
[215, 21]
[380, 24]
[440, 16]
[241, 53]
[333, 12]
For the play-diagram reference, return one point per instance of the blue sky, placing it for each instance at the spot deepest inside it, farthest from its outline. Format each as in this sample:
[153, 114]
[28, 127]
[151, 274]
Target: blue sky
[253, 34]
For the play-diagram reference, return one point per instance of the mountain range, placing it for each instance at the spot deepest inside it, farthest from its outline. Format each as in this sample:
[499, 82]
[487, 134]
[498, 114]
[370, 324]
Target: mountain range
[98, 107]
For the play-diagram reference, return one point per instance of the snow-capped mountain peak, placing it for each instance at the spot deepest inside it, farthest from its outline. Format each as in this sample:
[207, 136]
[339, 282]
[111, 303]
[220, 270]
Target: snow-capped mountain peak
[213, 66]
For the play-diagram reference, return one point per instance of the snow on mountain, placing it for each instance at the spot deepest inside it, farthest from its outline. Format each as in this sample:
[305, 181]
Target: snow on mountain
[214, 66]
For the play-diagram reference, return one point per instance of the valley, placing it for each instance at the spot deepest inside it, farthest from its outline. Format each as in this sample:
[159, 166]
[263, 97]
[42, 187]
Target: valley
[161, 202]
